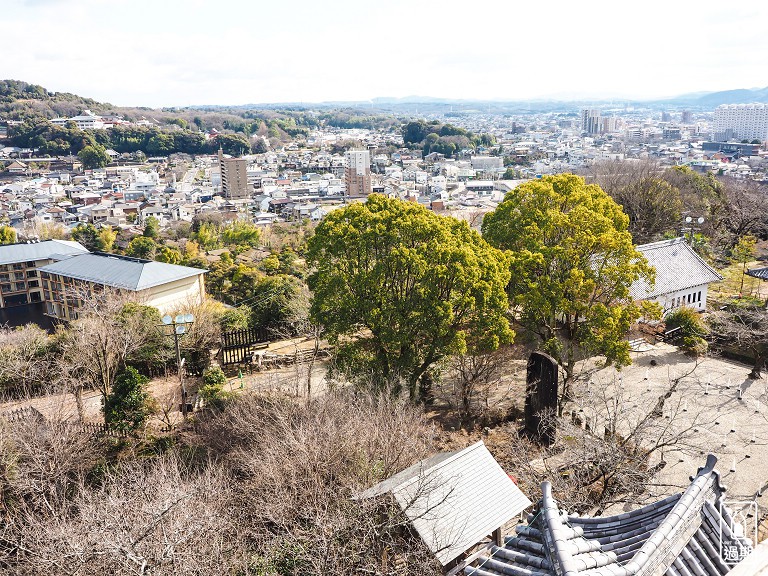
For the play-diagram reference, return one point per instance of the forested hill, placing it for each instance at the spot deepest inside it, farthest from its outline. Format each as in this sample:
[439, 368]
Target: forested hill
[20, 100]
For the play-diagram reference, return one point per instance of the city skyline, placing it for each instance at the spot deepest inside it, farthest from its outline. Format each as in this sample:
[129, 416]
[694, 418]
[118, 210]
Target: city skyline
[234, 52]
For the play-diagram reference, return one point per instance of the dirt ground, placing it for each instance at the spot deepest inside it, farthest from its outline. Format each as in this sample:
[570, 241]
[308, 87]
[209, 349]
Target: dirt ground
[715, 406]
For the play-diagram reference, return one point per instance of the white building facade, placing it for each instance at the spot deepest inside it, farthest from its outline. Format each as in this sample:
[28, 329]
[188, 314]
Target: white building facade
[741, 122]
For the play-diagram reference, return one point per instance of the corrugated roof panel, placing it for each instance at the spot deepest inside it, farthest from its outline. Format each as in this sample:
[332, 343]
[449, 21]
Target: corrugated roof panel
[126, 273]
[455, 499]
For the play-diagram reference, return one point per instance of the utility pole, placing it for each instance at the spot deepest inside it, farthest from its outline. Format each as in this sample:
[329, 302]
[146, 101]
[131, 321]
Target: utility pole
[179, 326]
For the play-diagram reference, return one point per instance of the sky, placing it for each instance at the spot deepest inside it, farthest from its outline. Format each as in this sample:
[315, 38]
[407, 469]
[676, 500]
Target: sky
[191, 52]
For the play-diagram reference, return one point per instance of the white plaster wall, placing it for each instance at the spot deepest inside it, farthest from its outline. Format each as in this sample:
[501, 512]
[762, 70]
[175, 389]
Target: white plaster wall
[174, 295]
[669, 302]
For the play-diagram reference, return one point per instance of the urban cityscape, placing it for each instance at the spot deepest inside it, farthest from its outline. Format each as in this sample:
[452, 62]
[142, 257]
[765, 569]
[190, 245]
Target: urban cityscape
[264, 310]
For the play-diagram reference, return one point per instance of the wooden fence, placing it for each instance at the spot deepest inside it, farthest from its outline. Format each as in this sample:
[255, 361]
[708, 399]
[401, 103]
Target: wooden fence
[29, 413]
[237, 346]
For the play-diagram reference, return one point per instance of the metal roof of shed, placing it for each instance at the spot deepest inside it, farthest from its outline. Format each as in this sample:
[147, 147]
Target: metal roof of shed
[454, 499]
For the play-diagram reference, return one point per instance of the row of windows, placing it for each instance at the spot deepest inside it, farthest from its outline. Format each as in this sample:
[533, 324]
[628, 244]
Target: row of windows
[686, 299]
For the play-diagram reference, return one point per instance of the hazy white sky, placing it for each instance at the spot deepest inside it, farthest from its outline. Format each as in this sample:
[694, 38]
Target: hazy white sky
[181, 52]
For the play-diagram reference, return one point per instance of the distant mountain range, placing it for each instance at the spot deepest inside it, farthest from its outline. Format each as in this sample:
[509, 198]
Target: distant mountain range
[431, 104]
[740, 96]
[15, 93]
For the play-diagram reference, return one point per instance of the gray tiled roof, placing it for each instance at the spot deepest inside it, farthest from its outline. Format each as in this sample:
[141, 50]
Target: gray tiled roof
[454, 499]
[677, 266]
[761, 273]
[677, 536]
[119, 271]
[12, 253]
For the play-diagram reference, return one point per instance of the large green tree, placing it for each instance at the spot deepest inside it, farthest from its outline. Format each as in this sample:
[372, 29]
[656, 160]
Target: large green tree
[142, 247]
[572, 266]
[93, 156]
[399, 288]
[126, 407]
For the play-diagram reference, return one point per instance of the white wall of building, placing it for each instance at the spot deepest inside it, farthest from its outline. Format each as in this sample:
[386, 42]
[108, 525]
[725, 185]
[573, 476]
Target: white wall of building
[175, 295]
[695, 298]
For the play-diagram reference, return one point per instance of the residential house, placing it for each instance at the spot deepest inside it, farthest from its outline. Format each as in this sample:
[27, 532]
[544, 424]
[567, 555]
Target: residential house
[17, 167]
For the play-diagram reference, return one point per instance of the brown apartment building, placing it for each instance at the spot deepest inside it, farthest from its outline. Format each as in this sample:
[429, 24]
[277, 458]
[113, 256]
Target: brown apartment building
[234, 177]
[19, 268]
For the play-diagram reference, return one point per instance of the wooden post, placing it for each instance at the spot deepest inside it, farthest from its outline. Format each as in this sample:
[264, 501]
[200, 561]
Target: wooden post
[498, 539]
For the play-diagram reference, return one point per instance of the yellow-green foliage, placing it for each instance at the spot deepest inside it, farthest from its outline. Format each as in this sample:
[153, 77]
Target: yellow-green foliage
[572, 264]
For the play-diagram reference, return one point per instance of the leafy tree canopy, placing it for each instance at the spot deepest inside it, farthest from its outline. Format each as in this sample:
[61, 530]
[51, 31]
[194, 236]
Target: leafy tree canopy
[142, 247]
[411, 286]
[572, 265]
[7, 235]
[126, 407]
[93, 156]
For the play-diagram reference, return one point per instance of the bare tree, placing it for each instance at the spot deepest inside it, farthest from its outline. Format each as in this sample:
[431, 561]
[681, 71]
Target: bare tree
[652, 204]
[300, 464]
[744, 326]
[27, 359]
[96, 345]
[615, 442]
[476, 385]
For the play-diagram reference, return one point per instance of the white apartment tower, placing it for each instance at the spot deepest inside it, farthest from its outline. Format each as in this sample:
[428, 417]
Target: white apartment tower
[741, 122]
[358, 173]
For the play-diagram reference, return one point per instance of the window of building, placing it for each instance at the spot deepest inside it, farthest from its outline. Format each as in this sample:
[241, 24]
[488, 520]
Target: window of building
[18, 266]
[5, 277]
[699, 297]
[33, 284]
[5, 287]
[31, 273]
[30, 264]
[18, 275]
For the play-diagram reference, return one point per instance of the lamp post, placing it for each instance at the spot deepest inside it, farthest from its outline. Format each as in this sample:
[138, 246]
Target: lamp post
[179, 325]
[691, 226]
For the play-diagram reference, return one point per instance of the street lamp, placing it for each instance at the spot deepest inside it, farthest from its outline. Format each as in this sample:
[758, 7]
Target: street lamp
[179, 325]
[690, 221]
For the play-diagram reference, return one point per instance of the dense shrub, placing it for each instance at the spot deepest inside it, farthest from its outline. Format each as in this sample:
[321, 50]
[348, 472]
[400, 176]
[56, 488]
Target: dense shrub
[691, 333]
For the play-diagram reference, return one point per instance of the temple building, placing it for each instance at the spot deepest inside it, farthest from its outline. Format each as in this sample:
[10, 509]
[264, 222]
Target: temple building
[687, 534]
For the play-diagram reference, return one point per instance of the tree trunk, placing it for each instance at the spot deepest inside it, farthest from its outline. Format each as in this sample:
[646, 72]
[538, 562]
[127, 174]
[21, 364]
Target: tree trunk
[78, 393]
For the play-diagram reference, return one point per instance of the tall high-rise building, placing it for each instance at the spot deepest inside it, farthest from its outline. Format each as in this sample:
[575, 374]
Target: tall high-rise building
[590, 121]
[686, 117]
[741, 122]
[666, 117]
[357, 174]
[234, 177]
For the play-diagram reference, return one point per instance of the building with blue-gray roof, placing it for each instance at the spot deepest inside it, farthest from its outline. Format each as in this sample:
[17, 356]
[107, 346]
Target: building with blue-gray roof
[20, 264]
[166, 287]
